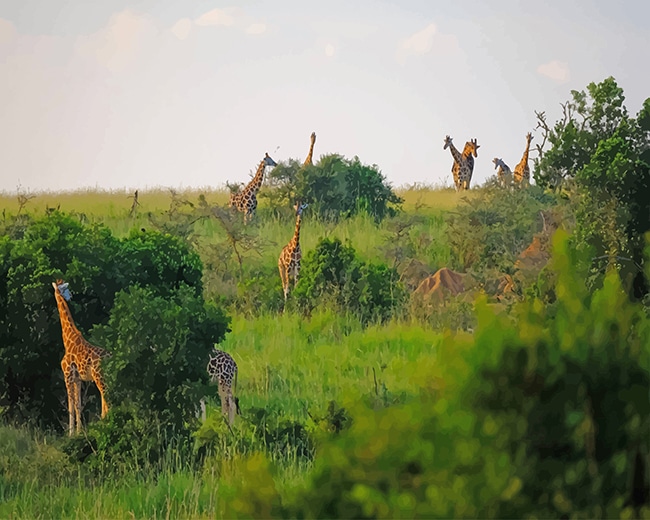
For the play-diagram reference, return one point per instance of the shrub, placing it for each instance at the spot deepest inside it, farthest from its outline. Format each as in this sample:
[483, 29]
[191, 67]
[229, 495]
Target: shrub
[332, 274]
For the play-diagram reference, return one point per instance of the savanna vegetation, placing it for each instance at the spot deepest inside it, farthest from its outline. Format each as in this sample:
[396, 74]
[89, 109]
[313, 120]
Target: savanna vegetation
[379, 389]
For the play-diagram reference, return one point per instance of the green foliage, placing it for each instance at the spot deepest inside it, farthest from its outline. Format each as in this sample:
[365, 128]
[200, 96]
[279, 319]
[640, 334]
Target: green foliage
[333, 274]
[32, 387]
[607, 154]
[160, 349]
[160, 261]
[335, 187]
[260, 292]
[570, 387]
[489, 231]
[28, 460]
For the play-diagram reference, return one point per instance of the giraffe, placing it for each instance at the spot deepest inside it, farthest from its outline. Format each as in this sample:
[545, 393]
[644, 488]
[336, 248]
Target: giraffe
[289, 261]
[504, 173]
[246, 200]
[463, 166]
[222, 369]
[522, 170]
[310, 155]
[81, 362]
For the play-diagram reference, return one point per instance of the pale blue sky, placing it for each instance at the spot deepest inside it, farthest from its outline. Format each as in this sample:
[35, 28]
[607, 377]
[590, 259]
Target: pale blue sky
[136, 94]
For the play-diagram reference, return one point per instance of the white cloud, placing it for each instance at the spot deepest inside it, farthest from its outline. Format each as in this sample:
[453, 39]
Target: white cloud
[256, 28]
[329, 50]
[556, 70]
[118, 44]
[422, 41]
[7, 31]
[182, 28]
[216, 17]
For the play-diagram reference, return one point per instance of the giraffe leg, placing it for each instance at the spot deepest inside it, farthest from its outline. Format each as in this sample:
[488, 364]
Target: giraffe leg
[77, 402]
[99, 381]
[284, 276]
[223, 397]
[231, 408]
[296, 272]
[69, 388]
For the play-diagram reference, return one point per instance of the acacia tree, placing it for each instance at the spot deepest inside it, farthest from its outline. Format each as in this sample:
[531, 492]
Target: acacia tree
[602, 155]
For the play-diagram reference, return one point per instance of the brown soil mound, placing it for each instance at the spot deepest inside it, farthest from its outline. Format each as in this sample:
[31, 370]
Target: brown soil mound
[438, 285]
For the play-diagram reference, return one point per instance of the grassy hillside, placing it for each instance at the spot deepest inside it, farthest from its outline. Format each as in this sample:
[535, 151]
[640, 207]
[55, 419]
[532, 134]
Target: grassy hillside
[311, 385]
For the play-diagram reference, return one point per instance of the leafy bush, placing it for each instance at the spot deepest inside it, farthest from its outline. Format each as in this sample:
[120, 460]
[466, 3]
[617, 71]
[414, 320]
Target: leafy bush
[332, 274]
[335, 187]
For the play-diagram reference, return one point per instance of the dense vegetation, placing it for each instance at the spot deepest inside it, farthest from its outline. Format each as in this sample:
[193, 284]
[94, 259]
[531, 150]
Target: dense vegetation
[525, 393]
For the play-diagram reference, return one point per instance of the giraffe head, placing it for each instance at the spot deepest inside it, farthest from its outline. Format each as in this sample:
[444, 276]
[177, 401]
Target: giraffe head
[497, 162]
[529, 137]
[447, 142]
[313, 137]
[268, 161]
[473, 146]
[62, 288]
[299, 207]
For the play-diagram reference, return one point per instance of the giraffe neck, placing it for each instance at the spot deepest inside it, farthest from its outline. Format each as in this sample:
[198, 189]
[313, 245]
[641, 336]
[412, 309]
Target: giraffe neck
[524, 159]
[455, 153]
[310, 155]
[67, 323]
[467, 151]
[296, 234]
[254, 185]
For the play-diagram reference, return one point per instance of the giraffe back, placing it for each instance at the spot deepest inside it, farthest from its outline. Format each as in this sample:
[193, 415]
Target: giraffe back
[222, 368]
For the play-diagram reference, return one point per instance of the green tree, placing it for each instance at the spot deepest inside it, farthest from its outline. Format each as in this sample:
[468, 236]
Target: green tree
[598, 147]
